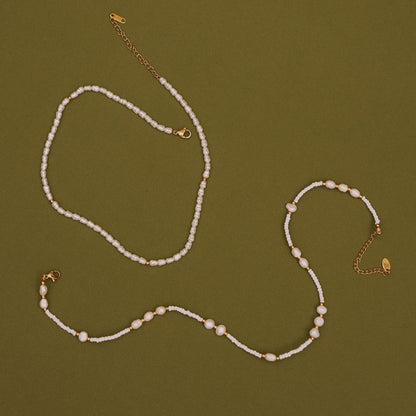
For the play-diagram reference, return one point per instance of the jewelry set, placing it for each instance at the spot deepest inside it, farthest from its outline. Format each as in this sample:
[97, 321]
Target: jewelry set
[207, 323]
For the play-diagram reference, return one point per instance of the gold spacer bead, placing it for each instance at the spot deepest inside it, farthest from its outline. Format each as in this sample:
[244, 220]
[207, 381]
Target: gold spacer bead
[312, 338]
[148, 262]
[131, 328]
[263, 356]
[308, 268]
[77, 334]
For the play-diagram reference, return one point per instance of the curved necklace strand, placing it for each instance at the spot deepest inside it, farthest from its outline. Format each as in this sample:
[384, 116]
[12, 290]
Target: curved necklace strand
[184, 134]
[208, 323]
[221, 329]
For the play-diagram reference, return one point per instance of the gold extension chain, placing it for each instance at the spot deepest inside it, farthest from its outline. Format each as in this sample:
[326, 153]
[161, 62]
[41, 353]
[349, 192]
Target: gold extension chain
[114, 20]
[384, 270]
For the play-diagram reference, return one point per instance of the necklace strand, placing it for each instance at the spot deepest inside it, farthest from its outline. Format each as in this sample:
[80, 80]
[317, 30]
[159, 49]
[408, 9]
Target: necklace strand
[208, 323]
[184, 133]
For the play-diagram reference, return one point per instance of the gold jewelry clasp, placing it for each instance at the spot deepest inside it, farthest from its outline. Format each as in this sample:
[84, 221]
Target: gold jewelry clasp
[53, 275]
[184, 133]
[117, 18]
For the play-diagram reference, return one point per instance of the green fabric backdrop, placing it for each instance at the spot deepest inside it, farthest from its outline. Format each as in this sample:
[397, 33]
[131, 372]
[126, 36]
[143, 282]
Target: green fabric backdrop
[288, 93]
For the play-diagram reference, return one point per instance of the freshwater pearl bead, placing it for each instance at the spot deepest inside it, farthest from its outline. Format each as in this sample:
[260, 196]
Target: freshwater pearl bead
[303, 263]
[136, 324]
[291, 207]
[314, 332]
[270, 357]
[43, 303]
[83, 336]
[43, 290]
[319, 321]
[160, 310]
[330, 184]
[296, 252]
[148, 316]
[220, 330]
[209, 324]
[355, 193]
[321, 309]
[342, 187]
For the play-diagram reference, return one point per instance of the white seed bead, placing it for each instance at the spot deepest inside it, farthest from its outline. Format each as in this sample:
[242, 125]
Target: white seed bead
[209, 324]
[43, 303]
[303, 263]
[330, 184]
[291, 207]
[319, 321]
[355, 193]
[321, 309]
[296, 252]
[314, 332]
[136, 324]
[220, 330]
[160, 310]
[148, 316]
[342, 187]
[83, 336]
[43, 290]
[270, 357]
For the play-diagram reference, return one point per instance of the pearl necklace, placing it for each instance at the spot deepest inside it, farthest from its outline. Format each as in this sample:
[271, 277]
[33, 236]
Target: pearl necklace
[207, 323]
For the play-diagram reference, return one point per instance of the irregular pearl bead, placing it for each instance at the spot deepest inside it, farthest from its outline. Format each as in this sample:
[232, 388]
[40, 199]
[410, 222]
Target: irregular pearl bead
[136, 324]
[220, 330]
[342, 187]
[148, 316]
[330, 184]
[296, 252]
[83, 336]
[209, 324]
[321, 309]
[43, 303]
[355, 193]
[314, 332]
[43, 290]
[291, 207]
[303, 263]
[319, 321]
[160, 310]
[270, 357]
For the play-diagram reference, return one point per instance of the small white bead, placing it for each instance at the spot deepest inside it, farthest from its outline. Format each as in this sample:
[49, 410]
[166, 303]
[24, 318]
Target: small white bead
[43, 303]
[355, 193]
[220, 330]
[270, 357]
[296, 252]
[148, 316]
[342, 187]
[319, 321]
[160, 310]
[209, 324]
[83, 336]
[136, 324]
[321, 309]
[330, 184]
[43, 290]
[314, 332]
[303, 263]
[291, 207]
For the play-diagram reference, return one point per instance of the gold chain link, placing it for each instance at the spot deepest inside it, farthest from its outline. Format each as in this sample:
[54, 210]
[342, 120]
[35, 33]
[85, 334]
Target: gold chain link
[385, 270]
[133, 49]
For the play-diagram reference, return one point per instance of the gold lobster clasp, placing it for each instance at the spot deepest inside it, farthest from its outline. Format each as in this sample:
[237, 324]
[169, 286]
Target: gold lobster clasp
[184, 133]
[53, 275]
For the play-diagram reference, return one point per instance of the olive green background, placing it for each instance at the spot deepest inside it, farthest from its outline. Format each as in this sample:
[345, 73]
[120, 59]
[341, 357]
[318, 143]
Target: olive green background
[288, 93]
